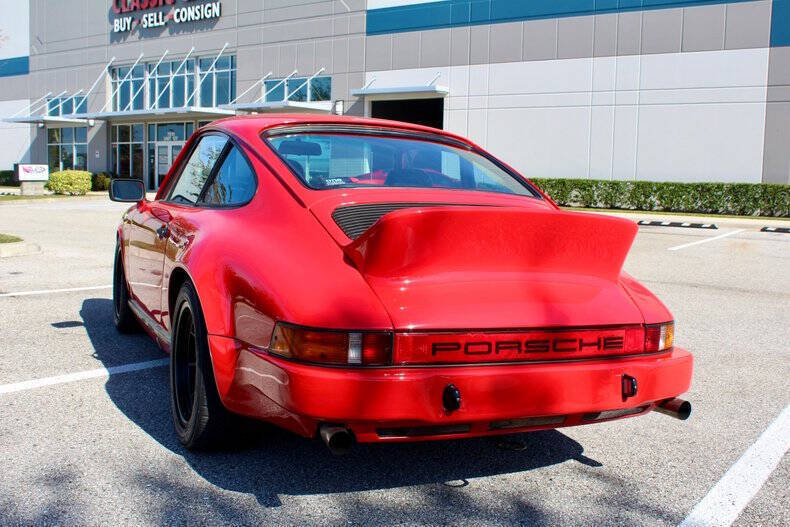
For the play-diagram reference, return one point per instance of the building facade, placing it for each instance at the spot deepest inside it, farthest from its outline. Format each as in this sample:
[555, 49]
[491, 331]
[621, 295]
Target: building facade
[662, 90]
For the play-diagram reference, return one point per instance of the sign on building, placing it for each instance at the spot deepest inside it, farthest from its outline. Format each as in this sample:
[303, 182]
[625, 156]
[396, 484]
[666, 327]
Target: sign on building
[147, 13]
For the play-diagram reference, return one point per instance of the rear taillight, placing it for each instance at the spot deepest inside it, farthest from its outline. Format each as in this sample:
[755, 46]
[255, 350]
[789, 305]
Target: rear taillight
[332, 347]
[659, 337]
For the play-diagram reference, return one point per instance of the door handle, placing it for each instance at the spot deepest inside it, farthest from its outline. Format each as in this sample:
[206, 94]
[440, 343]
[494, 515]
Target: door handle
[163, 232]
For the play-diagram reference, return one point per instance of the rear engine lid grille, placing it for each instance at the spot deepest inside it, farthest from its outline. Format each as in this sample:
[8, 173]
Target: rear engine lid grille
[356, 219]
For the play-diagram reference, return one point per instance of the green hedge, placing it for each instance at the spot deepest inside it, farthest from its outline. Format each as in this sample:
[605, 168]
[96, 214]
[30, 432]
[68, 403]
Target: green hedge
[7, 178]
[709, 198]
[70, 182]
[100, 181]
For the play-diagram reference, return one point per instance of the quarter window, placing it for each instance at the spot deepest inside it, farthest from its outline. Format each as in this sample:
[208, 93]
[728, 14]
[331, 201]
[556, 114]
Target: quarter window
[197, 170]
[234, 183]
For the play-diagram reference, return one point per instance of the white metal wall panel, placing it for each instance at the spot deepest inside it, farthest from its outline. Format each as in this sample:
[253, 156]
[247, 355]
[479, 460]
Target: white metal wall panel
[662, 117]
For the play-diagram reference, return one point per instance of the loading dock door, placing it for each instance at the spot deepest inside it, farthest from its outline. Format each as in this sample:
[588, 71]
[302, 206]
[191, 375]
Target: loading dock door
[428, 112]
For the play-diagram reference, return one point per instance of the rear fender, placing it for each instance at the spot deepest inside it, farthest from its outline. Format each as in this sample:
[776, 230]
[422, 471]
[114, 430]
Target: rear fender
[653, 310]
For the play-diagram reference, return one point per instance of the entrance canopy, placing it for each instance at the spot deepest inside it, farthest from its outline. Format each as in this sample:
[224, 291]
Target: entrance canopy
[427, 90]
[184, 113]
[69, 109]
[374, 89]
[51, 121]
[291, 106]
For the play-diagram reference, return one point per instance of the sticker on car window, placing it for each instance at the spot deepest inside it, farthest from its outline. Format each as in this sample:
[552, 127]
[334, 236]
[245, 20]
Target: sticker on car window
[334, 181]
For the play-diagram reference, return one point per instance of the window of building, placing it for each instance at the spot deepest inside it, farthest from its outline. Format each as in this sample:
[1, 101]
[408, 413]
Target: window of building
[67, 148]
[219, 85]
[197, 170]
[171, 84]
[297, 89]
[128, 90]
[234, 183]
[59, 106]
[274, 90]
[127, 150]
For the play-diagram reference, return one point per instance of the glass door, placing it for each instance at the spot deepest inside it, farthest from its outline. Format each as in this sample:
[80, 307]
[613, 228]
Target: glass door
[166, 153]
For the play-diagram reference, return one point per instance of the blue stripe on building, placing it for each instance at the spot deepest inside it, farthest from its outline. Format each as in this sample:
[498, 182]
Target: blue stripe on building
[780, 23]
[14, 66]
[455, 13]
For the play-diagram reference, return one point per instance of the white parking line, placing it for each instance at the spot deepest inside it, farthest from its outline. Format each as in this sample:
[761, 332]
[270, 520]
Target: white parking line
[50, 291]
[706, 240]
[82, 375]
[725, 501]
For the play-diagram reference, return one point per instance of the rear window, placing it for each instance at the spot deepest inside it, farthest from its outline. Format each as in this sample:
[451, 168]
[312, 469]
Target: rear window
[337, 160]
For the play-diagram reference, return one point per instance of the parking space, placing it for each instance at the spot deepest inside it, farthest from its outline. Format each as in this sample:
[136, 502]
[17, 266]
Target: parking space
[101, 449]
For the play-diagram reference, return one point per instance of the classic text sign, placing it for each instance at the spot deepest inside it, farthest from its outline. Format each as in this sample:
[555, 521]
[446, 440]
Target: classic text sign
[145, 14]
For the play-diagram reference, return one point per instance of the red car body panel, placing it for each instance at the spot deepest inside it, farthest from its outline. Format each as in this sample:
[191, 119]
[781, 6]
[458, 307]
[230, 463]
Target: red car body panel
[487, 264]
[300, 396]
[447, 268]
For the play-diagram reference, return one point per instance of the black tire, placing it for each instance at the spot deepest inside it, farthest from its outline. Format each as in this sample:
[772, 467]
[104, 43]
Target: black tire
[123, 317]
[200, 420]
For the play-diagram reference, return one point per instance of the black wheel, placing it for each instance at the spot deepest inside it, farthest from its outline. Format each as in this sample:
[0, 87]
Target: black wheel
[199, 417]
[124, 319]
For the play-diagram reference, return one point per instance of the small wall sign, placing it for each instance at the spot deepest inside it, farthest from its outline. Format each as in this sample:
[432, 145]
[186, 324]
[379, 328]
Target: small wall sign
[26, 172]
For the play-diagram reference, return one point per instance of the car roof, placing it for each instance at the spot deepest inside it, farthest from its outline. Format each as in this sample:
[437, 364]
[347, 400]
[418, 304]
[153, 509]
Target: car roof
[249, 125]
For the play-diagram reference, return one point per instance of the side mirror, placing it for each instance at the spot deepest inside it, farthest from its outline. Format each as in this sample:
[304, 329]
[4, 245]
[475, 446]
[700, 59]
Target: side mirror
[127, 190]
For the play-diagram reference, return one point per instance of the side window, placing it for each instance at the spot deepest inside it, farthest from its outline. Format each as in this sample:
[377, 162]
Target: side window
[197, 170]
[233, 184]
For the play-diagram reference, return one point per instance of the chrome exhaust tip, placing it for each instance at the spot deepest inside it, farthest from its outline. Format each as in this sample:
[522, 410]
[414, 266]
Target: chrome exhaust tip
[338, 439]
[677, 408]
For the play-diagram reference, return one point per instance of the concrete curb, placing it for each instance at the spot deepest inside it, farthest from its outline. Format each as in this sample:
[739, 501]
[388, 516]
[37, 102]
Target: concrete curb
[91, 196]
[749, 222]
[684, 224]
[781, 230]
[18, 249]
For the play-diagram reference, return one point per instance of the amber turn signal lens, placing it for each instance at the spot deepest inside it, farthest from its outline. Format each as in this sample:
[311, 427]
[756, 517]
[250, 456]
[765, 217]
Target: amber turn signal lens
[667, 339]
[327, 347]
[332, 347]
[659, 337]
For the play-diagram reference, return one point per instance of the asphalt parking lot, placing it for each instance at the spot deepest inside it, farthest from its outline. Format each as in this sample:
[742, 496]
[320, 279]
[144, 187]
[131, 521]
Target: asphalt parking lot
[92, 448]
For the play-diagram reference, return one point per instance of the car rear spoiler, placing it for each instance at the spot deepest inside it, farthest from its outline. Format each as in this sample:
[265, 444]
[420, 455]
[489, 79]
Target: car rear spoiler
[421, 242]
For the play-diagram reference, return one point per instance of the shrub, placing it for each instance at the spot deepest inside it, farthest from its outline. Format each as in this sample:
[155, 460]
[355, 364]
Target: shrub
[100, 181]
[75, 182]
[9, 238]
[7, 178]
[709, 198]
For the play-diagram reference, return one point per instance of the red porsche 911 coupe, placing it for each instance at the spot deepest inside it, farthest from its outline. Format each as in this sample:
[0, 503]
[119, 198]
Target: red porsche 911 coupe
[367, 280]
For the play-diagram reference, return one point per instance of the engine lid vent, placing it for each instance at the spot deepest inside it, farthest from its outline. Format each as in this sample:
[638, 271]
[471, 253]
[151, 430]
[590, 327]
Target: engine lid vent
[356, 219]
